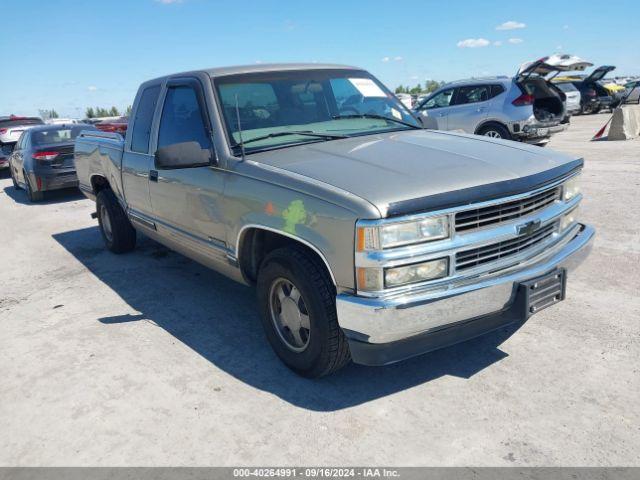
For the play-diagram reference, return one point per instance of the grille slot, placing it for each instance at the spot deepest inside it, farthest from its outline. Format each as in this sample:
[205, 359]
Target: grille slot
[490, 253]
[504, 212]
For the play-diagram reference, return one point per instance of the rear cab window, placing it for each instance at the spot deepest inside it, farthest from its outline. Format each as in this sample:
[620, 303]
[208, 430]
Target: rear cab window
[144, 117]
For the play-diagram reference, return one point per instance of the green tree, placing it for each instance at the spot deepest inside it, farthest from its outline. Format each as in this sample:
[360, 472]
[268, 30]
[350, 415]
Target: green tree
[114, 112]
[432, 85]
[127, 112]
[90, 113]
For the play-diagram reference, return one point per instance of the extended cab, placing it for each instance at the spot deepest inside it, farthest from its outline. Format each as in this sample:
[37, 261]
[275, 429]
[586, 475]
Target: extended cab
[366, 236]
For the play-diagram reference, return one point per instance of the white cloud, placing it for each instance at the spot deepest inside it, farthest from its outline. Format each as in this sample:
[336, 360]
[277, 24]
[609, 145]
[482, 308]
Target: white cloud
[385, 59]
[397, 59]
[92, 88]
[473, 43]
[565, 27]
[168, 2]
[515, 41]
[497, 43]
[511, 25]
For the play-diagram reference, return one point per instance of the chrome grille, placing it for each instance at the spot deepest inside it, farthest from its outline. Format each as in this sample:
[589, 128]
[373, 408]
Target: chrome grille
[490, 253]
[504, 212]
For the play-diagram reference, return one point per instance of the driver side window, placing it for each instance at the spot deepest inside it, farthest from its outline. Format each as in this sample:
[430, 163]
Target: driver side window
[182, 119]
[442, 99]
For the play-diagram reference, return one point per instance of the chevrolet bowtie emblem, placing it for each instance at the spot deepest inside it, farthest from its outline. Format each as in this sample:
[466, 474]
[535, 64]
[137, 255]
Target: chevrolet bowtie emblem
[528, 228]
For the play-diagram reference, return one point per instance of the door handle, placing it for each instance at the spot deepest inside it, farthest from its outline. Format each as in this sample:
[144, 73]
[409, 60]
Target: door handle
[153, 175]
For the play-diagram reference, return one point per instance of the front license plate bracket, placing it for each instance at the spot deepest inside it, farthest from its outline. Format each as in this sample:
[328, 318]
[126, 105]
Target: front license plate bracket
[544, 291]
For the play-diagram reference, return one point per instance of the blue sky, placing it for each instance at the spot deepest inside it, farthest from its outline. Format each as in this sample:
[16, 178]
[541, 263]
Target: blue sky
[70, 54]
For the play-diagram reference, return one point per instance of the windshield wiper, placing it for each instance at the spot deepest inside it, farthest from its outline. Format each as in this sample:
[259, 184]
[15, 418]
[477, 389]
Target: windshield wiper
[306, 133]
[374, 115]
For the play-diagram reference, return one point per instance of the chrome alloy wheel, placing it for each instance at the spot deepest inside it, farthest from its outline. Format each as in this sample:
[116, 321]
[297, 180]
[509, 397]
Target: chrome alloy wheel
[492, 134]
[289, 315]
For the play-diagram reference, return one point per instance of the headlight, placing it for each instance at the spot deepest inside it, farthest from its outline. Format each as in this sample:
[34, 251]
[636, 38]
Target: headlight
[569, 219]
[571, 188]
[376, 279]
[402, 233]
[419, 272]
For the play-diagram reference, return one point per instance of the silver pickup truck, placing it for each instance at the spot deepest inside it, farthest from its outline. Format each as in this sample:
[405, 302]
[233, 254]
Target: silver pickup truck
[367, 237]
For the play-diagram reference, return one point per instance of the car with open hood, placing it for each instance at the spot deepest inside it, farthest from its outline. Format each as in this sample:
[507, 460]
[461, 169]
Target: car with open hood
[365, 235]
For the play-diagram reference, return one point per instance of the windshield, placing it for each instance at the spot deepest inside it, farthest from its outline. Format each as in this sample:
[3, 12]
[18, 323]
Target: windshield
[58, 135]
[330, 103]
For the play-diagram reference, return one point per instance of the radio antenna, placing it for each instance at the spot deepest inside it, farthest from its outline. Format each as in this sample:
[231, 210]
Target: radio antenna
[239, 128]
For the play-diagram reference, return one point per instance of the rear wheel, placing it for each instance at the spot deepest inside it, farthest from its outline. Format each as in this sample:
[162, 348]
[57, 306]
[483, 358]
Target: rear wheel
[495, 131]
[33, 196]
[118, 233]
[297, 303]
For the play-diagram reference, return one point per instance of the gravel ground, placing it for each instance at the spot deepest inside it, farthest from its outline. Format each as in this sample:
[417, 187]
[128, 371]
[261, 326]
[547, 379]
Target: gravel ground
[149, 359]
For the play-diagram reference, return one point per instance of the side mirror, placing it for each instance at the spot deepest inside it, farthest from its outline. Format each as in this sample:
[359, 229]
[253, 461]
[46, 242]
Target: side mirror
[182, 155]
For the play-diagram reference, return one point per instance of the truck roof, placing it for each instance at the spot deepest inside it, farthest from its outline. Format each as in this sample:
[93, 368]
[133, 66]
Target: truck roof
[260, 67]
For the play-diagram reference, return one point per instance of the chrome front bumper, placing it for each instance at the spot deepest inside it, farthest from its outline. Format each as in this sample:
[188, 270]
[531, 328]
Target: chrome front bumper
[386, 330]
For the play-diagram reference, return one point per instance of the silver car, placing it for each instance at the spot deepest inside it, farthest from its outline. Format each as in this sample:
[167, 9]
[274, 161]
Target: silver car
[11, 128]
[528, 110]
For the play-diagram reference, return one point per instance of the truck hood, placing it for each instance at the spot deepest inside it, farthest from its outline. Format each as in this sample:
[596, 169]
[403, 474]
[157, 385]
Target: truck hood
[421, 169]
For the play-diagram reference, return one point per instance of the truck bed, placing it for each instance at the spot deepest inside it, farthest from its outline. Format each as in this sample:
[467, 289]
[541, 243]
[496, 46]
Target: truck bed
[99, 154]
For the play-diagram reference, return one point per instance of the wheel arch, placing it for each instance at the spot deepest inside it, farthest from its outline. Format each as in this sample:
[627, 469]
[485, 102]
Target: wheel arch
[99, 182]
[491, 121]
[255, 241]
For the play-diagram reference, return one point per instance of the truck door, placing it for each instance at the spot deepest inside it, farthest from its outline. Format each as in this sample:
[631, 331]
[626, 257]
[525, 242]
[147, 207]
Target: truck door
[469, 107]
[186, 190]
[136, 160]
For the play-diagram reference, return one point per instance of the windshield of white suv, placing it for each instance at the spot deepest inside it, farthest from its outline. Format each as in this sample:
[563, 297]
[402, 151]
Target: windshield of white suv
[269, 110]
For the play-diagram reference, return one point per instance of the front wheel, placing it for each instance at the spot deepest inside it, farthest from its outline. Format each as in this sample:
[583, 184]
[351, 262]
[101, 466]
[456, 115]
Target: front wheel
[297, 304]
[495, 131]
[118, 233]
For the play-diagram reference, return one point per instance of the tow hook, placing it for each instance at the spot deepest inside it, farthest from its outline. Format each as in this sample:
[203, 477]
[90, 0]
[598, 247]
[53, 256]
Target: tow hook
[94, 215]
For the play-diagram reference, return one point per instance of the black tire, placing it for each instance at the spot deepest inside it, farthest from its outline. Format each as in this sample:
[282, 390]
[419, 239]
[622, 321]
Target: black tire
[495, 130]
[31, 195]
[13, 179]
[327, 349]
[119, 236]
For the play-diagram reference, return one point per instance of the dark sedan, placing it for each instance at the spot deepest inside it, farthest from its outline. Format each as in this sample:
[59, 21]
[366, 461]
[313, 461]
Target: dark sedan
[43, 159]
